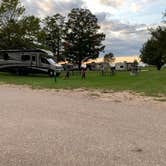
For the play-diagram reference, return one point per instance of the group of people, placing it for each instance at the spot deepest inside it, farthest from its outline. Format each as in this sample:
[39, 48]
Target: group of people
[83, 73]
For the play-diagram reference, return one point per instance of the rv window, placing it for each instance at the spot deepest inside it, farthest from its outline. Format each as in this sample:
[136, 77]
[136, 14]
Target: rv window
[25, 58]
[4, 56]
[51, 61]
[43, 60]
[1, 55]
[121, 66]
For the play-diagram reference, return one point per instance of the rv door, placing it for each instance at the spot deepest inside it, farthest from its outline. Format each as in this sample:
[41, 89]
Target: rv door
[34, 60]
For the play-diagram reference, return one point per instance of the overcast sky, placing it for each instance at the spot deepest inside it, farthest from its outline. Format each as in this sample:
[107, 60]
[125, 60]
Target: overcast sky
[124, 22]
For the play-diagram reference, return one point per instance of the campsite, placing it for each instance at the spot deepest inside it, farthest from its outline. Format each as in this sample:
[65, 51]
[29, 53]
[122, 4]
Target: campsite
[82, 83]
[148, 82]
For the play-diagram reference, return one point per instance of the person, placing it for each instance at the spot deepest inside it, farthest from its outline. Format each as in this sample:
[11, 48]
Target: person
[112, 69]
[102, 69]
[67, 73]
[83, 73]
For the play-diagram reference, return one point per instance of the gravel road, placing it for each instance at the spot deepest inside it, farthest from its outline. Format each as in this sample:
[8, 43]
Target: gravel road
[77, 128]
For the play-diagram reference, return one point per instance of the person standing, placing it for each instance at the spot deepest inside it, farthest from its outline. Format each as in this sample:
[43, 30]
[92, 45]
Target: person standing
[67, 73]
[83, 73]
[102, 69]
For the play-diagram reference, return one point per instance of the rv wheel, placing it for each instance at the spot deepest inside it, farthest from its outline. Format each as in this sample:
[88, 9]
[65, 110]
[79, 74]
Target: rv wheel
[51, 73]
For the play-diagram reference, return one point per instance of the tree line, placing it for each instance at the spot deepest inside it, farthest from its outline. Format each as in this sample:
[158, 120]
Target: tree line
[72, 38]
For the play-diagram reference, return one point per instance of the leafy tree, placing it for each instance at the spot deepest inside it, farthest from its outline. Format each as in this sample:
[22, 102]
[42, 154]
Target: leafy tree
[109, 57]
[10, 10]
[31, 28]
[82, 38]
[10, 13]
[16, 29]
[154, 50]
[52, 34]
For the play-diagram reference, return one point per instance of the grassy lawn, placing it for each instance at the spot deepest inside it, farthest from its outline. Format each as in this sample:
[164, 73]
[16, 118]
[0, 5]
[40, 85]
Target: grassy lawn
[150, 82]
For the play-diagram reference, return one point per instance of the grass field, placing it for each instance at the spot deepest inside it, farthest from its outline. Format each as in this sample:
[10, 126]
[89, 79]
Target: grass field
[150, 82]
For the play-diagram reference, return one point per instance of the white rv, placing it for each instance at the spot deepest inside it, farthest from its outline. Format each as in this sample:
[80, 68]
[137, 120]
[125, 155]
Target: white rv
[29, 61]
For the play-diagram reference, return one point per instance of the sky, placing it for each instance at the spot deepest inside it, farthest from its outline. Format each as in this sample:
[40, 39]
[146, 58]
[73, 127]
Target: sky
[125, 22]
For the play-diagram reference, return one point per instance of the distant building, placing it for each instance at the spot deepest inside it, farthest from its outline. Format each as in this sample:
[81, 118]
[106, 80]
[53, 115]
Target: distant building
[121, 63]
[123, 66]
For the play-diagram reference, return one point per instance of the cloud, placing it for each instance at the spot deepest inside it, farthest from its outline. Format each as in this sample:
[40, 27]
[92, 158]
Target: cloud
[103, 17]
[121, 47]
[113, 3]
[122, 38]
[43, 8]
[115, 25]
[135, 7]
[118, 19]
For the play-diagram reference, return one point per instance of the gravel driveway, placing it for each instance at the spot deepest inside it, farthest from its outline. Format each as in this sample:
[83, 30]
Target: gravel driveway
[73, 128]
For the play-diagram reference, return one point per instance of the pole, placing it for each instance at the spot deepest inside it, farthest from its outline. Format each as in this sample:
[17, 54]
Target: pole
[55, 76]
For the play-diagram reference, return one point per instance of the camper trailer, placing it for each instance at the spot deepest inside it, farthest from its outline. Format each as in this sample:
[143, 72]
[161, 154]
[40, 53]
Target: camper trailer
[29, 61]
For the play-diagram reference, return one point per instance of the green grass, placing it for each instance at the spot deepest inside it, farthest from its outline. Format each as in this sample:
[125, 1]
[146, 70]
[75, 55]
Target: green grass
[152, 82]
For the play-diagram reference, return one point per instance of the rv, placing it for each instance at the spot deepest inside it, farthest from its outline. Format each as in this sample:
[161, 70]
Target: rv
[124, 66]
[29, 61]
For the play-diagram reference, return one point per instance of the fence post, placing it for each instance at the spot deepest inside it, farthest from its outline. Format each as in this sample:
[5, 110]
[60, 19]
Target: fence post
[55, 76]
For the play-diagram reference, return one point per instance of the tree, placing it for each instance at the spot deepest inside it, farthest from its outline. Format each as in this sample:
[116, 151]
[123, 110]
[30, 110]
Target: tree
[109, 57]
[154, 50]
[135, 62]
[10, 13]
[10, 10]
[53, 31]
[31, 28]
[82, 38]
[16, 29]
